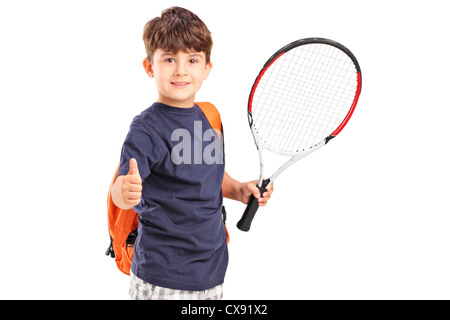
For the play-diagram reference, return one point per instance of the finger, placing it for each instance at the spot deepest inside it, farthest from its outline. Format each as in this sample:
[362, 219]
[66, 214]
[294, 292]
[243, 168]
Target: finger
[132, 202]
[132, 179]
[253, 189]
[133, 196]
[263, 200]
[268, 193]
[133, 167]
[130, 187]
[134, 187]
[265, 196]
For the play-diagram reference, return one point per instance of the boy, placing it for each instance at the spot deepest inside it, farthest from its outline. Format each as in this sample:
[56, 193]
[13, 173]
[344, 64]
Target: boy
[181, 250]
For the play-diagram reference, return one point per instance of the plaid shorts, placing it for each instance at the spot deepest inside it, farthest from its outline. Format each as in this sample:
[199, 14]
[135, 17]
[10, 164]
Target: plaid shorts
[141, 290]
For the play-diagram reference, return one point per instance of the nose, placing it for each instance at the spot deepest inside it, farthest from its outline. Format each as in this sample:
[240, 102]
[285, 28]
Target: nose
[181, 69]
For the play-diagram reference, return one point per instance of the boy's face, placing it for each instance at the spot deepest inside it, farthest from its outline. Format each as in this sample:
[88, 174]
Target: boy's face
[178, 76]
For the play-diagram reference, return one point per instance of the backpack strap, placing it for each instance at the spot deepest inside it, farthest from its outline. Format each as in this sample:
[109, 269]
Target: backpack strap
[212, 114]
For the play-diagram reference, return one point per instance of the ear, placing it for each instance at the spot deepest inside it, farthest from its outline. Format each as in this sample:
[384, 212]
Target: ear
[208, 68]
[148, 68]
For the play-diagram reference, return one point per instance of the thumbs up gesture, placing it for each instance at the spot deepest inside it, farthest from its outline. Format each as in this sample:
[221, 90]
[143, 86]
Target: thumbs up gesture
[127, 190]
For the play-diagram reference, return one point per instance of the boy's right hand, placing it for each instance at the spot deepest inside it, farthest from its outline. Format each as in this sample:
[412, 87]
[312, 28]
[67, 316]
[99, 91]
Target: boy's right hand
[131, 188]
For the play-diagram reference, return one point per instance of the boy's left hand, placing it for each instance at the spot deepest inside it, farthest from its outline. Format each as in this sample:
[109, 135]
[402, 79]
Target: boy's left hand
[249, 188]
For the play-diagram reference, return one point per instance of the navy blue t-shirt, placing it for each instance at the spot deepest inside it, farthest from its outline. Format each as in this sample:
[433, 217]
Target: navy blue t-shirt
[181, 241]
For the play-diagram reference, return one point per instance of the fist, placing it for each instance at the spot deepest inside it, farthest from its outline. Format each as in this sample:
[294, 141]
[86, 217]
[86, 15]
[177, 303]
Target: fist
[249, 188]
[132, 186]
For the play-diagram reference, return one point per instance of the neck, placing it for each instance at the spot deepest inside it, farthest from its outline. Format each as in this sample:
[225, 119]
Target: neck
[188, 103]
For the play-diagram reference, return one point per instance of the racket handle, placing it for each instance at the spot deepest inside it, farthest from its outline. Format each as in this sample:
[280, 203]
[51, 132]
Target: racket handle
[252, 207]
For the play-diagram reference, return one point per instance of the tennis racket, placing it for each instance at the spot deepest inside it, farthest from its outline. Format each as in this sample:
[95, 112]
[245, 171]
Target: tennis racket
[302, 98]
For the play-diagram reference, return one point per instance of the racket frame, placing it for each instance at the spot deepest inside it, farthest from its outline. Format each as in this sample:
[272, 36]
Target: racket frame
[261, 146]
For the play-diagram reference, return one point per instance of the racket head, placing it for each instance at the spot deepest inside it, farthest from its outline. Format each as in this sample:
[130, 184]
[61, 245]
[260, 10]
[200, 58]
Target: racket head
[304, 96]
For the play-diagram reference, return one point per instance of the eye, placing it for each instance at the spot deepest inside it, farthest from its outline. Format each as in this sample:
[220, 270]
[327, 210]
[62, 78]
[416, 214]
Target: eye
[193, 61]
[170, 60]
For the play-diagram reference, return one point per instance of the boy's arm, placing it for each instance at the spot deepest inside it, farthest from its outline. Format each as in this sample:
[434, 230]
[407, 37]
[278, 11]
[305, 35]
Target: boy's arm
[126, 190]
[241, 191]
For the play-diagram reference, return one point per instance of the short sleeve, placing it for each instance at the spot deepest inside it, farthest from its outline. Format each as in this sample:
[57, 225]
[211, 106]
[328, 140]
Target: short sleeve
[141, 145]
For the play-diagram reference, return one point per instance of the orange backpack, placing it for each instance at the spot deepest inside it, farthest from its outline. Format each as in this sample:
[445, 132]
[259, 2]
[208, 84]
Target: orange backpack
[123, 224]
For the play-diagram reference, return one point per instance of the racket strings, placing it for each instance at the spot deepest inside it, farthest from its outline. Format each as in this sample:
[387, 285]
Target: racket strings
[310, 82]
[303, 97]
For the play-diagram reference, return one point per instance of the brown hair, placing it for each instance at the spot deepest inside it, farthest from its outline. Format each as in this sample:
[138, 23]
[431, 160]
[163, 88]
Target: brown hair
[177, 29]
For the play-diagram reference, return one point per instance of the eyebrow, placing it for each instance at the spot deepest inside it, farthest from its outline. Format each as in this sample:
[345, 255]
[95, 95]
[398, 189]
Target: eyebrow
[195, 55]
[168, 53]
[191, 54]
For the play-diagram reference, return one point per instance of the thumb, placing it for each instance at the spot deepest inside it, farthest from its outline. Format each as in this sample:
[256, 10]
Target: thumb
[133, 167]
[253, 189]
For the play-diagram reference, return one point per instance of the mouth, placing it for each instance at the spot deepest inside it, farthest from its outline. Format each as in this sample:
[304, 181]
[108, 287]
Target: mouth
[180, 84]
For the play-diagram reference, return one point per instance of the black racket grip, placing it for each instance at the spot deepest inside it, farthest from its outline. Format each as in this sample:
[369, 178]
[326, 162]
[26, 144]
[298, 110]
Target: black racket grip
[252, 206]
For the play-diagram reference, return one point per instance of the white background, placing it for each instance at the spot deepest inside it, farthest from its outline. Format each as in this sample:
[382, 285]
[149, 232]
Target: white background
[366, 217]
